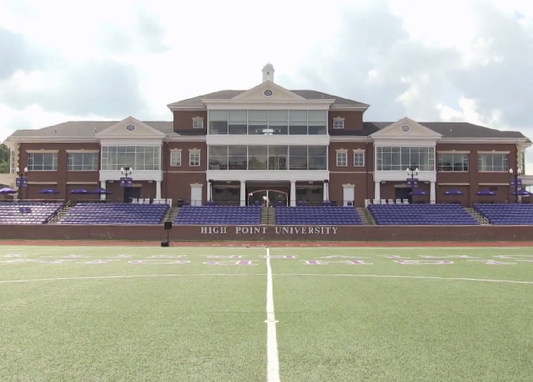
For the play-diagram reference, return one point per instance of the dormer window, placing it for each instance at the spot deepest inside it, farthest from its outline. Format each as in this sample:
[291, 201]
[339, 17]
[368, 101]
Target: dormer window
[197, 123]
[338, 123]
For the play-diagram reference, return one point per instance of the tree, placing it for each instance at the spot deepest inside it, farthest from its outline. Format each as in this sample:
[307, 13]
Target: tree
[4, 159]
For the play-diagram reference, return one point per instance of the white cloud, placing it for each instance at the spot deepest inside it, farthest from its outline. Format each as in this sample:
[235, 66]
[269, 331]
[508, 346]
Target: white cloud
[405, 58]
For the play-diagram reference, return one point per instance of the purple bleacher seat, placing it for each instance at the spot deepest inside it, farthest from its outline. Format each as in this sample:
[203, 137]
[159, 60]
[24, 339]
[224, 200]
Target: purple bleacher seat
[115, 213]
[27, 212]
[421, 214]
[317, 215]
[506, 214]
[228, 215]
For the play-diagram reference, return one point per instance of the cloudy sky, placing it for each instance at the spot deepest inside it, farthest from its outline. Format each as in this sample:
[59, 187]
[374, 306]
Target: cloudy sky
[426, 59]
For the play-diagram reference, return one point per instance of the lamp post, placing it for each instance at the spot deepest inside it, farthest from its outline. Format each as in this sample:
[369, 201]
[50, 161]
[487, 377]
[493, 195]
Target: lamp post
[21, 180]
[412, 171]
[126, 171]
[516, 175]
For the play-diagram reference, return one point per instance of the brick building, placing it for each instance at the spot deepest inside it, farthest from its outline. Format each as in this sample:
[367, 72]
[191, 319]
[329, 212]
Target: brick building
[236, 146]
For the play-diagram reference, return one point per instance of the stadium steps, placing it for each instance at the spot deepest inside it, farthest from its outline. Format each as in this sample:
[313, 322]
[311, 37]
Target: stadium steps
[480, 218]
[172, 214]
[62, 212]
[268, 216]
[366, 216]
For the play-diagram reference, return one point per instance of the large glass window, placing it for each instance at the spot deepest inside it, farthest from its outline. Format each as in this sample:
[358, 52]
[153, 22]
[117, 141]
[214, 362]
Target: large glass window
[298, 157]
[318, 157]
[257, 122]
[218, 122]
[218, 157]
[400, 158]
[136, 157]
[82, 162]
[318, 124]
[238, 121]
[257, 158]
[268, 157]
[278, 157]
[298, 122]
[452, 162]
[238, 157]
[12, 162]
[493, 162]
[42, 162]
[279, 122]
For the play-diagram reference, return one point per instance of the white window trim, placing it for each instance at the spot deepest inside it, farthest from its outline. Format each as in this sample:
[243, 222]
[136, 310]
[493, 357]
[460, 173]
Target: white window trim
[467, 153]
[53, 152]
[338, 120]
[493, 153]
[83, 152]
[337, 156]
[362, 152]
[178, 153]
[199, 121]
[191, 153]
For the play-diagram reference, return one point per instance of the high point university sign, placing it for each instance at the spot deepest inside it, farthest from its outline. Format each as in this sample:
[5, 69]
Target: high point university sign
[268, 230]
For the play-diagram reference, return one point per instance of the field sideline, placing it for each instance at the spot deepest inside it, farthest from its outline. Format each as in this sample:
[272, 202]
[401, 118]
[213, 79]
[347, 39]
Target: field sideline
[257, 313]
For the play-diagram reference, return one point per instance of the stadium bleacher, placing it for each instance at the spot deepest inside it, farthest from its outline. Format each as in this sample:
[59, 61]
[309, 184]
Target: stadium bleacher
[317, 215]
[26, 212]
[506, 214]
[115, 213]
[230, 215]
[421, 214]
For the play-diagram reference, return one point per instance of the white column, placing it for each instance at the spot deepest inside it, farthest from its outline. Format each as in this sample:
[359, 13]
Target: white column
[432, 193]
[293, 194]
[102, 185]
[208, 191]
[243, 193]
[377, 190]
[158, 189]
[325, 192]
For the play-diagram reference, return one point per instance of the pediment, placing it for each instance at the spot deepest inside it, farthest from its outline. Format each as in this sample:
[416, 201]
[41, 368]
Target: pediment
[268, 91]
[406, 128]
[130, 128]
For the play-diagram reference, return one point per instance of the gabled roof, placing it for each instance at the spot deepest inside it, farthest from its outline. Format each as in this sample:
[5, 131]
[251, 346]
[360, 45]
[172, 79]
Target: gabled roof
[89, 129]
[446, 129]
[229, 94]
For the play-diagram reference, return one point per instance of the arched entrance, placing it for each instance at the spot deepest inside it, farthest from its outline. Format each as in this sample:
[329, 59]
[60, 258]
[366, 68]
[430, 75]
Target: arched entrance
[274, 197]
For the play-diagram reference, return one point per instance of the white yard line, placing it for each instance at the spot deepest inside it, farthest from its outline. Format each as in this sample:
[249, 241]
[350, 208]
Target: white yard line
[127, 277]
[272, 342]
[404, 277]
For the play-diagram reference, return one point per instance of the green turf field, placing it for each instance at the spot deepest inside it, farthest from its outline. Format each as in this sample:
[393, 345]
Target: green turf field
[199, 314]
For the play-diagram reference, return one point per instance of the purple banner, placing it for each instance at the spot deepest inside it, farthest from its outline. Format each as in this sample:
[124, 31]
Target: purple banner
[22, 181]
[126, 182]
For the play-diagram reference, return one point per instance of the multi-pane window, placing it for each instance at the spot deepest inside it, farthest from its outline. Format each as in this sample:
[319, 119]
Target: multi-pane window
[260, 122]
[197, 123]
[82, 162]
[342, 159]
[12, 162]
[338, 123]
[400, 158]
[493, 162]
[136, 157]
[268, 157]
[452, 162]
[359, 159]
[42, 162]
[194, 158]
[175, 158]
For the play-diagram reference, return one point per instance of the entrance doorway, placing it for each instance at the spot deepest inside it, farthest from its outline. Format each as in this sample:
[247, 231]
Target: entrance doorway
[403, 193]
[275, 197]
[131, 193]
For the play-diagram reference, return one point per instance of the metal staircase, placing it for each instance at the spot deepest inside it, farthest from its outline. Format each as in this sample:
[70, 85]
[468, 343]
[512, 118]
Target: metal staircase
[268, 216]
[172, 214]
[366, 216]
[63, 211]
[480, 218]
